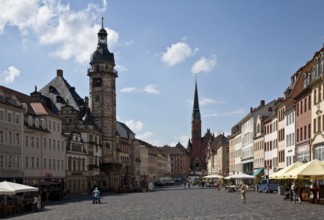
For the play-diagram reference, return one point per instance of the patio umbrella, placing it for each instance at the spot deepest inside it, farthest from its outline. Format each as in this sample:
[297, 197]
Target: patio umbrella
[240, 176]
[10, 188]
[14, 188]
[280, 174]
[4, 191]
[213, 176]
[311, 170]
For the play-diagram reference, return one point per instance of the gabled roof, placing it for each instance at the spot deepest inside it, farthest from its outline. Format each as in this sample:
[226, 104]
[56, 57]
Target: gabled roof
[62, 93]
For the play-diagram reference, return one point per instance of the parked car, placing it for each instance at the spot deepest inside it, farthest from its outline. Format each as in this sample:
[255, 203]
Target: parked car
[267, 186]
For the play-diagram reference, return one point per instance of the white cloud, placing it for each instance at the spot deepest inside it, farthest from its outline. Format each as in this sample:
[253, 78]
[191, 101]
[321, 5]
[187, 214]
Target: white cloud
[121, 68]
[54, 23]
[149, 137]
[177, 53]
[206, 101]
[204, 65]
[236, 112]
[150, 89]
[129, 43]
[8, 76]
[134, 125]
[128, 90]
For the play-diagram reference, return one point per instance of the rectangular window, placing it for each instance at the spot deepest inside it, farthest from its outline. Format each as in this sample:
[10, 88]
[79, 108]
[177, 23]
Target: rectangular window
[9, 115]
[10, 137]
[9, 161]
[17, 138]
[37, 142]
[44, 165]
[17, 161]
[50, 144]
[309, 102]
[1, 160]
[49, 164]
[17, 119]
[37, 163]
[319, 120]
[26, 163]
[32, 142]
[2, 113]
[26, 141]
[32, 162]
[2, 132]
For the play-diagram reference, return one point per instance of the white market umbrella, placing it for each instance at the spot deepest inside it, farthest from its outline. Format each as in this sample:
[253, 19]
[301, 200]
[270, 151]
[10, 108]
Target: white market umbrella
[239, 176]
[4, 191]
[12, 188]
[213, 176]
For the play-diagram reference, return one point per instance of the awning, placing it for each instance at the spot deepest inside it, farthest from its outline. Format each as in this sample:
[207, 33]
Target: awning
[258, 171]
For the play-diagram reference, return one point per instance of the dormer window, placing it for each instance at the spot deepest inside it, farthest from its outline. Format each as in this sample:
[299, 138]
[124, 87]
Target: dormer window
[2, 98]
[30, 121]
[37, 123]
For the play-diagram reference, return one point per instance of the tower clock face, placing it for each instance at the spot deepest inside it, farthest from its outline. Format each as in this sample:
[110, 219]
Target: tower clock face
[96, 82]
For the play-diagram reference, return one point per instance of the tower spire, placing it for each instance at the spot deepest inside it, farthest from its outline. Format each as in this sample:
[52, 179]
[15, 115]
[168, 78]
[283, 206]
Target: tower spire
[102, 18]
[196, 111]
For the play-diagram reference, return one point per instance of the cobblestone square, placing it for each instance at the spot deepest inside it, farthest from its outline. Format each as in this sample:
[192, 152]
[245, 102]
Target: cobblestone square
[177, 204]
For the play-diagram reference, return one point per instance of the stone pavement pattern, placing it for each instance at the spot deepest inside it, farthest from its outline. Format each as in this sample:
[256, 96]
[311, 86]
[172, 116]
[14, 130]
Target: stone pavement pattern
[178, 204]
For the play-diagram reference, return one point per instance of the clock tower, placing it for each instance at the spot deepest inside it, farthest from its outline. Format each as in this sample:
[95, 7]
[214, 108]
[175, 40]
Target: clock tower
[102, 95]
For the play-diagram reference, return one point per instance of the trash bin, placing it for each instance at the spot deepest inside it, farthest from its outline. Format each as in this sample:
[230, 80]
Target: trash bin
[281, 190]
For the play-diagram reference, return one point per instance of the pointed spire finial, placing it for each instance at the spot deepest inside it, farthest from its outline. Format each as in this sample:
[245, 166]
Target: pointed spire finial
[102, 18]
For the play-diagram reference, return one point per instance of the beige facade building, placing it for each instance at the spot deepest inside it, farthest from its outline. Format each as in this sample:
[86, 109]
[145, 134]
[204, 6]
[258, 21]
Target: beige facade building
[11, 136]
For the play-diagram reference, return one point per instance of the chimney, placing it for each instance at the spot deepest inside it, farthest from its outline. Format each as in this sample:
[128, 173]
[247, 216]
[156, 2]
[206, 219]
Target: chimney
[86, 102]
[262, 102]
[251, 109]
[59, 73]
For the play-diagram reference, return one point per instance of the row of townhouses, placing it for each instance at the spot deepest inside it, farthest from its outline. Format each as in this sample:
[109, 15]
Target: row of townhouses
[55, 137]
[38, 145]
[285, 130]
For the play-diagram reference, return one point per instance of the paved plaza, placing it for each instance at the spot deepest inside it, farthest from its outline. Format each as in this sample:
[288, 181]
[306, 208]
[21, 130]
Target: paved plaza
[177, 204]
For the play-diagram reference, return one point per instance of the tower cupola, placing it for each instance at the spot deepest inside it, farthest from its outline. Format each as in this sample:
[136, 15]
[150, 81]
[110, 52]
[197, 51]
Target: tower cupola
[102, 55]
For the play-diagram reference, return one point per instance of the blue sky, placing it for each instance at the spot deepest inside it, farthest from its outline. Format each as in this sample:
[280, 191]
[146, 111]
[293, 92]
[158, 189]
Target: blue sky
[241, 52]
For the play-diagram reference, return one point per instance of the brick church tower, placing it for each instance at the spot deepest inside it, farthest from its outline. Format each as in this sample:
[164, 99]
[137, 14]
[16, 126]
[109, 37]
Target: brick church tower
[197, 146]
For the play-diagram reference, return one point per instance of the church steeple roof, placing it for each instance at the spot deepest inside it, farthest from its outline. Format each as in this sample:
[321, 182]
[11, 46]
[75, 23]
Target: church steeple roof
[196, 111]
[102, 54]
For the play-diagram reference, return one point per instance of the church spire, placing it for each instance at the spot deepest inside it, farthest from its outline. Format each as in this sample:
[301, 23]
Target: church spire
[102, 26]
[196, 111]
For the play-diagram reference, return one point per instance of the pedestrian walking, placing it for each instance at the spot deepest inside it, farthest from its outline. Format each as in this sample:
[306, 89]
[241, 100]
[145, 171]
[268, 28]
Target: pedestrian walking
[185, 184]
[188, 184]
[295, 190]
[243, 189]
[96, 196]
